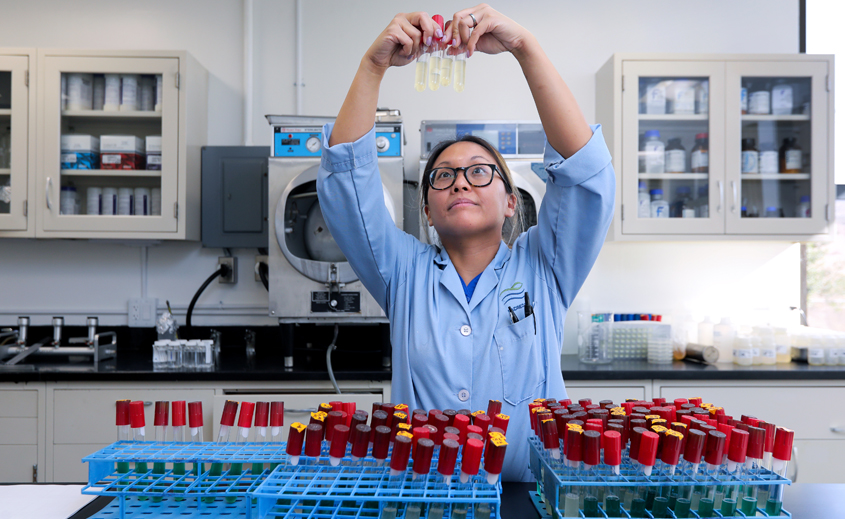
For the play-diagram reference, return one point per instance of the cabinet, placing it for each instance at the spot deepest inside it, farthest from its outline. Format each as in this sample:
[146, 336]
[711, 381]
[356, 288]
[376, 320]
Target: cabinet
[719, 146]
[117, 147]
[17, 142]
[19, 435]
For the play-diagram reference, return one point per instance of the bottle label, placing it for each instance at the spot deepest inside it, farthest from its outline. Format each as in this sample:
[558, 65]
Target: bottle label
[676, 161]
[644, 206]
[69, 158]
[769, 354]
[654, 157]
[659, 209]
[743, 354]
[783, 349]
[833, 353]
[684, 100]
[688, 213]
[656, 100]
[793, 159]
[758, 103]
[749, 162]
[815, 353]
[755, 352]
[699, 159]
[107, 158]
[782, 100]
[768, 162]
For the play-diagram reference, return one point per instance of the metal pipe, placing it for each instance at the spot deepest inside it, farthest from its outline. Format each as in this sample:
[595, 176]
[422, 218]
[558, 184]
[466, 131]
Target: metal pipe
[58, 322]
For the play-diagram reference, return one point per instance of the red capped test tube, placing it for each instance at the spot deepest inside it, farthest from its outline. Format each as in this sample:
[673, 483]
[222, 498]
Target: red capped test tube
[262, 419]
[178, 420]
[448, 457]
[494, 458]
[277, 420]
[483, 421]
[714, 449]
[340, 437]
[591, 447]
[121, 420]
[195, 421]
[160, 420]
[418, 434]
[670, 453]
[769, 445]
[418, 420]
[296, 437]
[494, 407]
[461, 422]
[573, 454]
[694, 447]
[781, 455]
[754, 452]
[227, 420]
[137, 420]
[551, 439]
[381, 443]
[313, 440]
[379, 418]
[648, 451]
[360, 441]
[334, 417]
[245, 420]
[611, 442]
[501, 421]
[737, 449]
[471, 458]
[636, 438]
[423, 450]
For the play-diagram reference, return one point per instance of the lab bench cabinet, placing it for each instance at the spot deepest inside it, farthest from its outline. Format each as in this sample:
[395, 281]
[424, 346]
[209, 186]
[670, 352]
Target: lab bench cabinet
[117, 146]
[21, 444]
[719, 147]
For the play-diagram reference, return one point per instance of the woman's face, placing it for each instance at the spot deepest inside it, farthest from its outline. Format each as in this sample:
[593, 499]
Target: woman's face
[464, 210]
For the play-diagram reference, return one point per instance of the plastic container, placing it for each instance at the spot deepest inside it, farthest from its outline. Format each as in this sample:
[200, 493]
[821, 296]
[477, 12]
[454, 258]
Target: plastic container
[723, 339]
[129, 92]
[93, 200]
[831, 350]
[69, 201]
[816, 354]
[596, 347]
[803, 209]
[768, 349]
[655, 99]
[643, 201]
[659, 207]
[675, 157]
[705, 332]
[80, 91]
[768, 162]
[681, 93]
[655, 152]
[759, 102]
[783, 346]
[742, 354]
[108, 205]
[160, 354]
[782, 99]
[143, 201]
[111, 102]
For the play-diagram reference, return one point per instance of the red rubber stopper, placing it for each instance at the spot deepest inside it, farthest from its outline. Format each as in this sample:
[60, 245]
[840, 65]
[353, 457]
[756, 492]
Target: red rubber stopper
[360, 440]
[770, 436]
[359, 418]
[591, 446]
[494, 455]
[715, 447]
[381, 442]
[696, 401]
[349, 408]
[337, 405]
[423, 449]
[584, 402]
[687, 420]
[756, 441]
[474, 429]
[247, 411]
[277, 414]
[418, 420]
[461, 423]
[438, 20]
[500, 421]
[195, 414]
[432, 413]
[783, 444]
[648, 448]
[679, 402]
[636, 438]
[671, 450]
[162, 412]
[573, 448]
[738, 446]
[419, 433]
[313, 440]
[441, 422]
[471, 456]
[451, 436]
[450, 414]
[658, 401]
[122, 412]
[296, 435]
[550, 434]
[178, 413]
[334, 418]
[230, 409]
[388, 408]
[494, 407]
[594, 424]
[694, 445]
[448, 456]
[262, 414]
[136, 414]
[612, 445]
[340, 437]
[727, 430]
[620, 430]
[753, 422]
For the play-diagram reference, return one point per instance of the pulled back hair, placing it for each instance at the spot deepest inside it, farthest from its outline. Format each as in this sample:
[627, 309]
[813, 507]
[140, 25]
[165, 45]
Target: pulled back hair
[513, 225]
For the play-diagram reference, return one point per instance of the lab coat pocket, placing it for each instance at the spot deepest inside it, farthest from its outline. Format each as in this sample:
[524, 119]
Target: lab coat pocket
[522, 358]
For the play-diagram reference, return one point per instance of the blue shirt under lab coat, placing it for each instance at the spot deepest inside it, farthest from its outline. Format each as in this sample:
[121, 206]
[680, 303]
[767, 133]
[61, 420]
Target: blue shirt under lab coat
[452, 354]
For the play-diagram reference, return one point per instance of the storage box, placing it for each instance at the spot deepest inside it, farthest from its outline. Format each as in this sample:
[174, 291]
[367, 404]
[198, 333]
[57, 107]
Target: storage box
[80, 152]
[154, 152]
[121, 152]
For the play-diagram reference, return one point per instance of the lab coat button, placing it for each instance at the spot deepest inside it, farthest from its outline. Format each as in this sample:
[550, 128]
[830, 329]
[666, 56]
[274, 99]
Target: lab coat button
[466, 330]
[463, 395]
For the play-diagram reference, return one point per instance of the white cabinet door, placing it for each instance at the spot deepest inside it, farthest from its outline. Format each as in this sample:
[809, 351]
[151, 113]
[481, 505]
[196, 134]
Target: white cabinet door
[786, 189]
[673, 122]
[18, 463]
[14, 143]
[78, 173]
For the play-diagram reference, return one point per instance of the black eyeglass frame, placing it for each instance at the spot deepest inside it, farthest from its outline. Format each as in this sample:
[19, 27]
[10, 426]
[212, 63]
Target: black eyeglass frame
[430, 176]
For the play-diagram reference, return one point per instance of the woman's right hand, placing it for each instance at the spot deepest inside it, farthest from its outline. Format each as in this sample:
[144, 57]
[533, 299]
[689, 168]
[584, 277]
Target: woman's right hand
[401, 42]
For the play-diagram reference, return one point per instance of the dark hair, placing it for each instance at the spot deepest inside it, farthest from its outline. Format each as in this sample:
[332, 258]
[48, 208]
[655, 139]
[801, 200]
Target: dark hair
[513, 225]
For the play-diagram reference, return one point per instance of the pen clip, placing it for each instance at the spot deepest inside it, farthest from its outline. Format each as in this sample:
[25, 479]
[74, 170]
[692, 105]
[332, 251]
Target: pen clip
[528, 308]
[514, 318]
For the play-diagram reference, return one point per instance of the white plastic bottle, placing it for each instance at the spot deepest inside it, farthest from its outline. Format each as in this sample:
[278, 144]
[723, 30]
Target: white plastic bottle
[705, 334]
[643, 201]
[723, 337]
[768, 350]
[659, 207]
[816, 350]
[783, 346]
[656, 99]
[831, 350]
[655, 152]
[742, 354]
[755, 350]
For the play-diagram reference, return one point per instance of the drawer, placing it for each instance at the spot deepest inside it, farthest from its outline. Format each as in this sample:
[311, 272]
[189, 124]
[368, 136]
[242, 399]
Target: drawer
[811, 412]
[18, 403]
[818, 461]
[618, 394]
[18, 431]
[67, 462]
[17, 463]
[86, 416]
[295, 406]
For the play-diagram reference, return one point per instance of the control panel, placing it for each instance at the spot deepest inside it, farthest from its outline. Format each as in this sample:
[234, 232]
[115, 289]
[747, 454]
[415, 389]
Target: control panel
[306, 142]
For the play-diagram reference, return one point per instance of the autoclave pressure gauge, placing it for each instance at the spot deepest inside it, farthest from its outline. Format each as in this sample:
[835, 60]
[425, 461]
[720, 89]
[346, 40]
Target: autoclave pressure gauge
[313, 144]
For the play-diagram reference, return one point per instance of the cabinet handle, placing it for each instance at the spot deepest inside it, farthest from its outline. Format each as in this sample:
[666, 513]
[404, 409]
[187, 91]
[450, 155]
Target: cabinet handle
[733, 203]
[47, 193]
[721, 196]
[835, 429]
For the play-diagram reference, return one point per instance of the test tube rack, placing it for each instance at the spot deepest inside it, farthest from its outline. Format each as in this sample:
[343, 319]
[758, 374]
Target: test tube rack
[553, 478]
[313, 488]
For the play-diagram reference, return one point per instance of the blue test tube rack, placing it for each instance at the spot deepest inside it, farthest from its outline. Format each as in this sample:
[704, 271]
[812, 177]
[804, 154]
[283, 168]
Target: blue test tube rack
[552, 476]
[309, 489]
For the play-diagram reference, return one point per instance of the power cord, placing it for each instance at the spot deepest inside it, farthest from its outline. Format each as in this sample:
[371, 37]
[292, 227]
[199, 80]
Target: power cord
[222, 271]
[329, 351]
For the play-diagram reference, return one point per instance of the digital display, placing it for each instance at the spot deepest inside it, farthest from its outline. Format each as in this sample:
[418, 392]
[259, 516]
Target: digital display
[290, 142]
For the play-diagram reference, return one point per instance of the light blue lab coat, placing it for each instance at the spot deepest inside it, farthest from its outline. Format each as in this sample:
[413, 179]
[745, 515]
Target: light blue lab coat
[450, 354]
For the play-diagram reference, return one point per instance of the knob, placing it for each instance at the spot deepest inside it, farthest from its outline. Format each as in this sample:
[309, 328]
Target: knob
[382, 143]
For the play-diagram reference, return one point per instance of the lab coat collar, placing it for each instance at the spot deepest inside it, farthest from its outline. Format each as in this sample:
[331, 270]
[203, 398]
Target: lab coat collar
[488, 281]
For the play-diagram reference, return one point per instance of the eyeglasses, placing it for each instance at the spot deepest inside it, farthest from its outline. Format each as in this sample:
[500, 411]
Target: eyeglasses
[477, 175]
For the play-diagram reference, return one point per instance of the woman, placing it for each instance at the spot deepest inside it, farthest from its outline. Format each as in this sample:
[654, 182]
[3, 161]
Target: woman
[452, 308]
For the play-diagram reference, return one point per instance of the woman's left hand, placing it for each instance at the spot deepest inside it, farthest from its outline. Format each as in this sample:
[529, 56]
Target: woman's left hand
[495, 33]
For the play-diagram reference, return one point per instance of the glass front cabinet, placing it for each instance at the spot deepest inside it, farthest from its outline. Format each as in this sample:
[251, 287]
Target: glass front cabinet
[118, 145]
[719, 146]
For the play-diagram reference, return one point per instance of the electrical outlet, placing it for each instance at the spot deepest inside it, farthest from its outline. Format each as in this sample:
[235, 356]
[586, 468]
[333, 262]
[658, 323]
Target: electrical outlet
[142, 312]
[232, 263]
[260, 259]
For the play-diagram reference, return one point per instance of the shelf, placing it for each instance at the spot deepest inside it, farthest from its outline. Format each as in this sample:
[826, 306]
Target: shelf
[776, 176]
[5, 111]
[99, 114]
[673, 117]
[673, 176]
[752, 117]
[127, 173]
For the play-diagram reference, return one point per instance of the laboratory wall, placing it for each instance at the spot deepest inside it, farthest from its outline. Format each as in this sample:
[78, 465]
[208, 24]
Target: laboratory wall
[75, 278]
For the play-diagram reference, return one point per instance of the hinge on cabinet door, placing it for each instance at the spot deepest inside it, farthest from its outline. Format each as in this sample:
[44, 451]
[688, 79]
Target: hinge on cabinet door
[35, 473]
[623, 83]
[827, 82]
[25, 207]
[176, 210]
[26, 78]
[177, 80]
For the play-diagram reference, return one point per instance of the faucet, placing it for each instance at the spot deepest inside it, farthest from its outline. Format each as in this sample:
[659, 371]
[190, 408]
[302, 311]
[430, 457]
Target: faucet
[20, 333]
[92, 333]
[58, 322]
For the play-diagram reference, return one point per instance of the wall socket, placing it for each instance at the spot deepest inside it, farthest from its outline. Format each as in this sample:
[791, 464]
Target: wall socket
[232, 263]
[142, 312]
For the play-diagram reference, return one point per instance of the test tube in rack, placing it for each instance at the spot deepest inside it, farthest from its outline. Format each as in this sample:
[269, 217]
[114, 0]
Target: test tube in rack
[124, 431]
[195, 424]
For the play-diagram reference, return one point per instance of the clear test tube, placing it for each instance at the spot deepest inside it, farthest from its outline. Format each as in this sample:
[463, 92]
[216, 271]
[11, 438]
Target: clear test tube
[460, 69]
[446, 79]
[781, 455]
[421, 70]
[160, 422]
[227, 420]
[195, 425]
[437, 51]
[124, 431]
[244, 428]
[277, 421]
[447, 459]
[137, 421]
[262, 415]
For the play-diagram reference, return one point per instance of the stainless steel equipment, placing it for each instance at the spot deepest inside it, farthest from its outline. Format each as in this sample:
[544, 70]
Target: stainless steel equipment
[310, 279]
[53, 346]
[521, 144]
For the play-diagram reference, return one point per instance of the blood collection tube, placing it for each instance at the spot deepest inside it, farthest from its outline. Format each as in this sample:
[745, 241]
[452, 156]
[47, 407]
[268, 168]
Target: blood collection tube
[574, 438]
[769, 445]
[634, 451]
[418, 420]
[461, 422]
[245, 421]
[452, 436]
[432, 413]
[695, 440]
[713, 450]
[277, 420]
[494, 458]
[620, 430]
[754, 453]
[350, 409]
[450, 414]
[137, 422]
[737, 448]
[781, 455]
[379, 418]
[648, 451]
[401, 453]
[360, 441]
[501, 421]
[340, 437]
[381, 443]
[296, 435]
[594, 424]
[358, 418]
[423, 450]
[671, 450]
[124, 431]
[227, 420]
[591, 447]
[471, 459]
[551, 439]
[333, 418]
[418, 434]
[160, 422]
[313, 440]
[195, 425]
[178, 427]
[319, 418]
[262, 419]
[448, 457]
[612, 447]
[494, 407]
